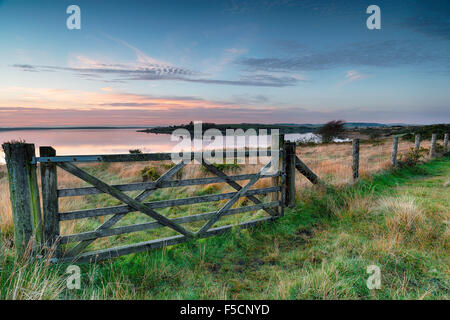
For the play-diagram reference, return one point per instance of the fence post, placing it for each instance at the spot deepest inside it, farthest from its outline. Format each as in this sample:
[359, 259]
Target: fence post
[355, 158]
[433, 145]
[49, 199]
[289, 149]
[394, 152]
[24, 195]
[446, 143]
[417, 145]
[279, 181]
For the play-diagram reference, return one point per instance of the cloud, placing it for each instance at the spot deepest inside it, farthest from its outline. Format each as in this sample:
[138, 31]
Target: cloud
[322, 7]
[17, 116]
[436, 26]
[432, 19]
[147, 68]
[352, 76]
[388, 53]
[26, 67]
[157, 73]
[61, 99]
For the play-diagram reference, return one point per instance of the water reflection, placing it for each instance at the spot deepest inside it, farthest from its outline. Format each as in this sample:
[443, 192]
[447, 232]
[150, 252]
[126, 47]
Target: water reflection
[101, 141]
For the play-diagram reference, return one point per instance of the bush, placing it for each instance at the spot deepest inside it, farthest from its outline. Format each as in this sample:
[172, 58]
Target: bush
[331, 130]
[412, 158]
[168, 166]
[426, 131]
[225, 167]
[150, 174]
[211, 189]
[439, 148]
[135, 151]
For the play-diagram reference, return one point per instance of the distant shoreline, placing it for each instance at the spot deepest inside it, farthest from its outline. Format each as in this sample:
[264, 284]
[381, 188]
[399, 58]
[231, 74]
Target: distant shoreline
[70, 128]
[282, 127]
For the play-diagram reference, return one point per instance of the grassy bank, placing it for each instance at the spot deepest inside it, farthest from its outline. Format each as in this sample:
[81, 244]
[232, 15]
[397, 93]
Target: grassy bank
[318, 250]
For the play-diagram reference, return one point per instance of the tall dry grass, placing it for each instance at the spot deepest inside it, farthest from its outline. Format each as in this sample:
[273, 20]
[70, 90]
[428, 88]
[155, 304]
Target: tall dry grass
[6, 220]
[331, 162]
[30, 278]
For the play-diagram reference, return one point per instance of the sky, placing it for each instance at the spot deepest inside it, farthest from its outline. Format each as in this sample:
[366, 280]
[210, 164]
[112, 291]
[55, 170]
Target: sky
[144, 63]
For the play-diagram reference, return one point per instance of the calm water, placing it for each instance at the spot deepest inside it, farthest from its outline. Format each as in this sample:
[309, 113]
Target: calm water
[97, 141]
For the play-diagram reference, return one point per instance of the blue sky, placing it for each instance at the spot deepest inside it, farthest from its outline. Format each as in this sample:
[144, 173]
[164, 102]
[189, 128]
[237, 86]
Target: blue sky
[163, 62]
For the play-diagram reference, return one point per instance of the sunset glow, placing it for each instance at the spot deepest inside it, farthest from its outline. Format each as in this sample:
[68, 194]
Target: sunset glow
[169, 62]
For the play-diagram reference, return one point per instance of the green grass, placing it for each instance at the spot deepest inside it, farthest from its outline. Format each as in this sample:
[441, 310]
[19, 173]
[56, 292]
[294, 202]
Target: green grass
[319, 250]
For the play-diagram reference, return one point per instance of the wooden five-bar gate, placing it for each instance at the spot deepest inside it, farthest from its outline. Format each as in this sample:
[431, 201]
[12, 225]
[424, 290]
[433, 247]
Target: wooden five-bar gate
[45, 228]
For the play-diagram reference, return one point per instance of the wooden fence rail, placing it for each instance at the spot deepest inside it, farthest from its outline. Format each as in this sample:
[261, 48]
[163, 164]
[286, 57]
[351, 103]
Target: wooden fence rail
[44, 230]
[22, 163]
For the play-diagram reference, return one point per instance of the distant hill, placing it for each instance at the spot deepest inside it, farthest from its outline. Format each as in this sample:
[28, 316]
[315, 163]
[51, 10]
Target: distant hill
[282, 127]
[347, 124]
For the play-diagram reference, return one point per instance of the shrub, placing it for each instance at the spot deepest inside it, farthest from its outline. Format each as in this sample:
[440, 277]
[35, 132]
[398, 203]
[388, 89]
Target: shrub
[150, 174]
[168, 166]
[439, 148]
[211, 189]
[135, 151]
[225, 167]
[331, 130]
[413, 157]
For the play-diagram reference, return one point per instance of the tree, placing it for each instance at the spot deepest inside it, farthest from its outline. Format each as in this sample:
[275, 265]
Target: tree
[331, 130]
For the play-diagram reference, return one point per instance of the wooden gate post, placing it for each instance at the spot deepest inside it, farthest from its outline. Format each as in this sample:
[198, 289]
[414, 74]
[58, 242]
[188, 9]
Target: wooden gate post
[417, 145]
[289, 149]
[24, 195]
[433, 145]
[446, 142]
[394, 152]
[279, 181]
[355, 158]
[50, 199]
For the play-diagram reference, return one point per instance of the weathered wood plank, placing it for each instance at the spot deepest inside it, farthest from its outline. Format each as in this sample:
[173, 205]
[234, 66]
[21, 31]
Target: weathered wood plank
[304, 170]
[446, 142]
[289, 149]
[394, 152]
[123, 197]
[155, 225]
[103, 254]
[279, 180]
[118, 216]
[433, 145]
[232, 201]
[166, 176]
[132, 157]
[72, 192]
[355, 159]
[49, 185]
[233, 184]
[24, 195]
[417, 142]
[80, 214]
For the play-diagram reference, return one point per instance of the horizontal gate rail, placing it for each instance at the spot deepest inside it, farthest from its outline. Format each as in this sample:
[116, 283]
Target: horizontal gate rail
[185, 224]
[83, 191]
[80, 214]
[154, 244]
[155, 225]
[242, 191]
[235, 185]
[143, 157]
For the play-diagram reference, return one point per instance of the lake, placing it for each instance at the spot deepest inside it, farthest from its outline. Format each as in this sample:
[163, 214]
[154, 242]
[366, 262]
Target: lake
[100, 141]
